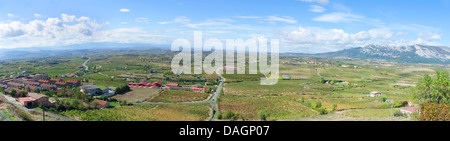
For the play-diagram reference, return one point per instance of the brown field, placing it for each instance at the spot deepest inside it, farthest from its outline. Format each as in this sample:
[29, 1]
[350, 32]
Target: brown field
[138, 94]
[179, 96]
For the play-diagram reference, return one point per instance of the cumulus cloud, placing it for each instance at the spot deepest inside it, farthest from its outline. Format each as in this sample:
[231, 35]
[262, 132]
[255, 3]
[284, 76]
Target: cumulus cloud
[52, 31]
[67, 18]
[315, 40]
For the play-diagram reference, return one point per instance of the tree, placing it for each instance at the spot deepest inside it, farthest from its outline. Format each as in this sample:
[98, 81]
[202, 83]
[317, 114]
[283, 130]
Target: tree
[430, 90]
[13, 92]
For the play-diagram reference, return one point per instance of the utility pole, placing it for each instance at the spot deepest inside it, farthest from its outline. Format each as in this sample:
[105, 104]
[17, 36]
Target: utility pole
[392, 105]
[43, 114]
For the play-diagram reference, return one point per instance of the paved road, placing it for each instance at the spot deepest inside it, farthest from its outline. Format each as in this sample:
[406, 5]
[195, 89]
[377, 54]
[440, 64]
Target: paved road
[84, 64]
[212, 101]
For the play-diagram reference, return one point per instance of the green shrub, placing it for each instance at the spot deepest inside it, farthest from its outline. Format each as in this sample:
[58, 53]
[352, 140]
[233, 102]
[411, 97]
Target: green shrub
[398, 113]
[219, 116]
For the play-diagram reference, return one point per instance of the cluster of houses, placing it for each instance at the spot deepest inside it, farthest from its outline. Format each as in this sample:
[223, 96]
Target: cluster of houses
[36, 82]
[170, 86]
[24, 86]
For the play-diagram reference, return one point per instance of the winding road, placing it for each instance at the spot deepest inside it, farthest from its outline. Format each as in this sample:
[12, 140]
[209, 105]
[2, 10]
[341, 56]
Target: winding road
[212, 101]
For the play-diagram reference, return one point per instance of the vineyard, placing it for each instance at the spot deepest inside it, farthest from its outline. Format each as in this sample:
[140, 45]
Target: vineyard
[179, 96]
[434, 112]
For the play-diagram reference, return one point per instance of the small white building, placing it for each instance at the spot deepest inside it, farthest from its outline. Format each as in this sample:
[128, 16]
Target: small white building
[408, 111]
[375, 94]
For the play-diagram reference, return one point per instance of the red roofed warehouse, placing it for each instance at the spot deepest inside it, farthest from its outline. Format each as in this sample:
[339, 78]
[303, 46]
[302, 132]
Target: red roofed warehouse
[172, 85]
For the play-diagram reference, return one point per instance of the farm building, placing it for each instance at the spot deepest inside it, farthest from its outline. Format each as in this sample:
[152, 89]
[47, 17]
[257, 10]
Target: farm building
[43, 81]
[409, 110]
[101, 103]
[18, 91]
[61, 84]
[54, 80]
[32, 87]
[91, 89]
[35, 99]
[74, 83]
[37, 76]
[375, 94]
[172, 85]
[48, 86]
[15, 85]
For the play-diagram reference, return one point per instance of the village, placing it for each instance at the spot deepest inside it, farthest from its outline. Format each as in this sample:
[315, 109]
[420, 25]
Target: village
[33, 90]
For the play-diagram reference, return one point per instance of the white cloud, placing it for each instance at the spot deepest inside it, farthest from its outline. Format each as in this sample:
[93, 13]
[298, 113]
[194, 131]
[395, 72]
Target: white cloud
[37, 15]
[68, 18]
[49, 32]
[10, 15]
[338, 17]
[316, 8]
[124, 10]
[316, 40]
[322, 2]
[428, 36]
[285, 19]
[142, 20]
[247, 17]
[180, 19]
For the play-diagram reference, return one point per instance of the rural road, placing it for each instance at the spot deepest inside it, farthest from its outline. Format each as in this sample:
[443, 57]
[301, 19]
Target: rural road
[212, 101]
[84, 64]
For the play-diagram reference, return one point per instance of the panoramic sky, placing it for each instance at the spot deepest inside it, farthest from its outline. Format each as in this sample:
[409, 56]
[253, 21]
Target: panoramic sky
[304, 26]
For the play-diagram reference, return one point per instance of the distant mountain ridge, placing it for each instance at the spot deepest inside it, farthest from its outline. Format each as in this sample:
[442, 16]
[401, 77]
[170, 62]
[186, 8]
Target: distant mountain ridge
[404, 54]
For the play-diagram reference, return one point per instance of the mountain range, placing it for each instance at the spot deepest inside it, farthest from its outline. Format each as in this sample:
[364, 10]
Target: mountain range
[402, 54]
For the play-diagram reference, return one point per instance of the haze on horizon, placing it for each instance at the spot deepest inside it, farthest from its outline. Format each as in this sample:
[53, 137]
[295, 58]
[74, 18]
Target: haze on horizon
[303, 26]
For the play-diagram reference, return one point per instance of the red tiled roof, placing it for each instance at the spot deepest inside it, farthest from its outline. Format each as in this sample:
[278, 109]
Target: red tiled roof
[143, 83]
[13, 83]
[73, 81]
[44, 81]
[61, 83]
[100, 102]
[172, 85]
[157, 83]
[26, 99]
[32, 87]
[46, 85]
[71, 75]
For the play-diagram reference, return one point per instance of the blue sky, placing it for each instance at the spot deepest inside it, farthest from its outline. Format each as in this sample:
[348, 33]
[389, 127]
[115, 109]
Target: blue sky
[307, 26]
